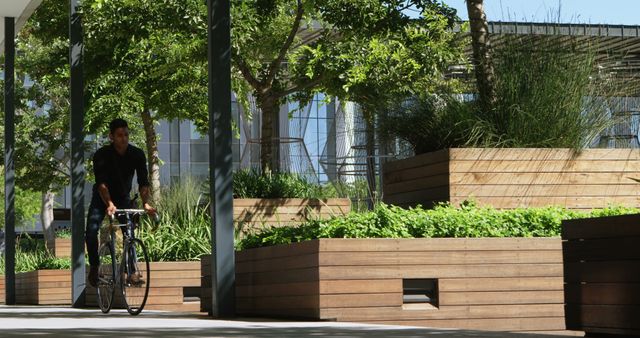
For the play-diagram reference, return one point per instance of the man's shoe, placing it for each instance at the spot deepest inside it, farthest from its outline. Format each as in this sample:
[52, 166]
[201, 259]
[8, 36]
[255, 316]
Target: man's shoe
[136, 279]
[93, 276]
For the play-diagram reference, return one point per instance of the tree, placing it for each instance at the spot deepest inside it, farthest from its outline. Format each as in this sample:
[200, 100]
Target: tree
[144, 60]
[482, 59]
[288, 49]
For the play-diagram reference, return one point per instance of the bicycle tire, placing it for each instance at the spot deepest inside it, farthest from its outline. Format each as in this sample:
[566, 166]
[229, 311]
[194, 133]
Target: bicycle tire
[135, 260]
[106, 277]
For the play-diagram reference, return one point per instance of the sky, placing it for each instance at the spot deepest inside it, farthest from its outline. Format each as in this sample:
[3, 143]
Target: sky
[623, 12]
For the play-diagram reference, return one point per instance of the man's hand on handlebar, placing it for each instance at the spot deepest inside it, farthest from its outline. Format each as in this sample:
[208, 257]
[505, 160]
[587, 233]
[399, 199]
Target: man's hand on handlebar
[111, 209]
[151, 211]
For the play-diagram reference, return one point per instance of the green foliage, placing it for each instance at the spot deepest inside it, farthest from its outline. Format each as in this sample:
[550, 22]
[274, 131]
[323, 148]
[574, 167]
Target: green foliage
[31, 254]
[468, 220]
[27, 205]
[431, 122]
[252, 184]
[549, 94]
[184, 230]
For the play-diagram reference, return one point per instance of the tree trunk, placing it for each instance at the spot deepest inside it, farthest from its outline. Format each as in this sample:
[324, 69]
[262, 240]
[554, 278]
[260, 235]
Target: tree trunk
[270, 134]
[46, 218]
[153, 160]
[371, 159]
[482, 54]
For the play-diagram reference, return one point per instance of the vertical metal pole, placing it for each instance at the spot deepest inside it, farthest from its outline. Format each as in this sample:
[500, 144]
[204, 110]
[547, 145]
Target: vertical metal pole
[220, 159]
[77, 157]
[9, 164]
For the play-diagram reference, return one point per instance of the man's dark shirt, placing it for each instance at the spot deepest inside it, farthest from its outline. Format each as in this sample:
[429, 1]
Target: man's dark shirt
[116, 171]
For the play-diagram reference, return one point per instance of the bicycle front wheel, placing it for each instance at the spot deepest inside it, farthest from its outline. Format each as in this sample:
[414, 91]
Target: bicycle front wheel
[136, 276]
[106, 277]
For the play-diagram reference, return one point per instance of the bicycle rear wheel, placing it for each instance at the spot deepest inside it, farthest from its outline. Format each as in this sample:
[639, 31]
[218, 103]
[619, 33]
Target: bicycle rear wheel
[136, 273]
[106, 277]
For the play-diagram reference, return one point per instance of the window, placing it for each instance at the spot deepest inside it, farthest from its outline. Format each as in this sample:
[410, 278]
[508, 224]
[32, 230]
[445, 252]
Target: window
[419, 294]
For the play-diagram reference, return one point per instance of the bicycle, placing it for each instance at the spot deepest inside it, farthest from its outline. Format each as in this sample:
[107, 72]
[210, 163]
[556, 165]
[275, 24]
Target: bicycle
[131, 272]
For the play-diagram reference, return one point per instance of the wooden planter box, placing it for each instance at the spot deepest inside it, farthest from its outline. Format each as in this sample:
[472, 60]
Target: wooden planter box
[512, 284]
[516, 177]
[2, 288]
[252, 214]
[44, 287]
[602, 274]
[175, 286]
[60, 248]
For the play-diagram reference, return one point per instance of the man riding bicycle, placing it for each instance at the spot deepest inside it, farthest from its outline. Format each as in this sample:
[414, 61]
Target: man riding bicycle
[114, 166]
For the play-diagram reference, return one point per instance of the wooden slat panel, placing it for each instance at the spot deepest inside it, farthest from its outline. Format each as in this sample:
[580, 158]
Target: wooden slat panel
[417, 161]
[607, 249]
[284, 276]
[603, 294]
[602, 272]
[562, 165]
[360, 286]
[448, 312]
[449, 257]
[501, 284]
[602, 227]
[282, 302]
[293, 249]
[500, 297]
[438, 244]
[289, 289]
[538, 178]
[489, 324]
[604, 316]
[545, 190]
[271, 202]
[428, 186]
[310, 313]
[542, 154]
[442, 271]
[569, 202]
[361, 300]
[418, 173]
[276, 264]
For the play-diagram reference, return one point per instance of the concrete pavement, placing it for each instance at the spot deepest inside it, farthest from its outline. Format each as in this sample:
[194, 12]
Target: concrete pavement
[41, 321]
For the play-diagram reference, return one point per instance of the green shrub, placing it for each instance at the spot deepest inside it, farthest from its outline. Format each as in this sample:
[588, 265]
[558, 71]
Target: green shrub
[253, 184]
[31, 254]
[184, 230]
[468, 220]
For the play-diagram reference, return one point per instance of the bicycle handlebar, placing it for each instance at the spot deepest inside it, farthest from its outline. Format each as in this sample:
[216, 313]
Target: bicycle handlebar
[156, 217]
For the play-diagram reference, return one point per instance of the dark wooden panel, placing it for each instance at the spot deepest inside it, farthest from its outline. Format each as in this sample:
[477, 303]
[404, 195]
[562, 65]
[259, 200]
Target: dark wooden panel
[601, 249]
[441, 271]
[445, 312]
[501, 284]
[488, 324]
[380, 258]
[602, 227]
[500, 297]
[417, 161]
[603, 316]
[437, 244]
[602, 272]
[603, 294]
[284, 276]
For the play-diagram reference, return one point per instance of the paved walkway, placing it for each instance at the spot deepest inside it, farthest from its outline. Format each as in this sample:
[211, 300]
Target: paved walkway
[39, 321]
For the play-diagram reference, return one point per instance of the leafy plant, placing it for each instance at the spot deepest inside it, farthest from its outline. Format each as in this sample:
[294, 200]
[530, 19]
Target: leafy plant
[468, 220]
[184, 230]
[250, 183]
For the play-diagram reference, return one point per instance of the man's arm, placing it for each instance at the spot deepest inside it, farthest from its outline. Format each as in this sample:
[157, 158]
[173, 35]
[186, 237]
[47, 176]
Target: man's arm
[145, 194]
[103, 190]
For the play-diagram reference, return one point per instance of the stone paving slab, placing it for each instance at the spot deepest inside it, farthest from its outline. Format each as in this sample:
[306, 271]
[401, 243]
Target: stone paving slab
[39, 321]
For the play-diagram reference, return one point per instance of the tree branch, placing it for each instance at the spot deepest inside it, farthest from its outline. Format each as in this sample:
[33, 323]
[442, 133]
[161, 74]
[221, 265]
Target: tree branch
[275, 64]
[306, 85]
[246, 71]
